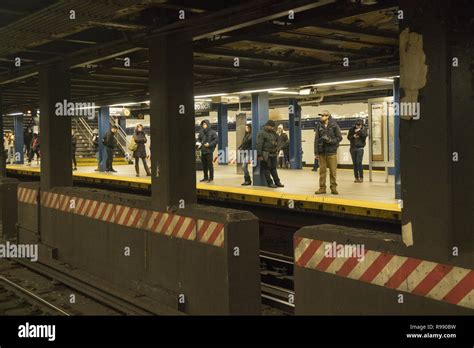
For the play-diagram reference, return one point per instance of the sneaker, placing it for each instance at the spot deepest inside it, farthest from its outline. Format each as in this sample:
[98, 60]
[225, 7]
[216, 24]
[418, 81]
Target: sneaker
[279, 184]
[320, 191]
[203, 180]
[246, 183]
[113, 171]
[356, 180]
[334, 192]
[272, 185]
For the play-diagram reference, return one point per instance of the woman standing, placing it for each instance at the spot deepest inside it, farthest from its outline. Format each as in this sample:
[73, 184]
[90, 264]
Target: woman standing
[245, 151]
[140, 152]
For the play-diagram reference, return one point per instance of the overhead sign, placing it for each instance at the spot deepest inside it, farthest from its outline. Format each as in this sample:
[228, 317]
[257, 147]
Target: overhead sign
[202, 108]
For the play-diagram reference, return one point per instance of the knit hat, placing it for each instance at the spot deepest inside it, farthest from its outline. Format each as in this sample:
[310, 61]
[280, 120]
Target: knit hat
[270, 123]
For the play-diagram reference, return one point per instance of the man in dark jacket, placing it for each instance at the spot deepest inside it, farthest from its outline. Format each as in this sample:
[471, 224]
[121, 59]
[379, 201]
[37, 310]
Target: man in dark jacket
[357, 135]
[267, 151]
[28, 138]
[207, 141]
[326, 141]
[110, 143]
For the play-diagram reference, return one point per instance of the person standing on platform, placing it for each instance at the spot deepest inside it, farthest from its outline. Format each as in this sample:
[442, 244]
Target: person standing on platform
[326, 141]
[283, 147]
[73, 149]
[140, 140]
[357, 136]
[267, 150]
[10, 145]
[28, 138]
[245, 151]
[95, 146]
[207, 141]
[35, 149]
[110, 143]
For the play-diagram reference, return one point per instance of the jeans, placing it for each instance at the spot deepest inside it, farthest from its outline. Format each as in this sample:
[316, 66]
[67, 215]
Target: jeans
[357, 155]
[270, 167]
[207, 166]
[327, 161]
[110, 158]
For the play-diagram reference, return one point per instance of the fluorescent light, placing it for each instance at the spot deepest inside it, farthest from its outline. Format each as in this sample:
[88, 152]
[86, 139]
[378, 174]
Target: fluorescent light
[352, 81]
[264, 90]
[285, 92]
[16, 114]
[125, 104]
[210, 95]
[305, 91]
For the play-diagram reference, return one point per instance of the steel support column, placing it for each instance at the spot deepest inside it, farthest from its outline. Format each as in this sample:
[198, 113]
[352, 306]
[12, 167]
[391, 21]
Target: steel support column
[55, 127]
[173, 182]
[104, 126]
[396, 132]
[259, 117]
[296, 152]
[223, 131]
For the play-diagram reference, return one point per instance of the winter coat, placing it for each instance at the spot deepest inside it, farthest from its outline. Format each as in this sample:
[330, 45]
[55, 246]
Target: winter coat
[109, 140]
[267, 141]
[327, 139]
[140, 140]
[73, 144]
[357, 143]
[207, 136]
[35, 144]
[283, 141]
[246, 142]
[28, 137]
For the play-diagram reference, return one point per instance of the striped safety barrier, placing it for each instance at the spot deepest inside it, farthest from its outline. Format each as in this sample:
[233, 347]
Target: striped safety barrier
[433, 280]
[173, 225]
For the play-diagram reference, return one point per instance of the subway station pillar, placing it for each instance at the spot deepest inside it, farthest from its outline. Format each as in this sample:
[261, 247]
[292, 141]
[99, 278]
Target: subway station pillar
[104, 126]
[55, 127]
[259, 118]
[396, 130]
[173, 181]
[19, 138]
[223, 131]
[296, 151]
[436, 149]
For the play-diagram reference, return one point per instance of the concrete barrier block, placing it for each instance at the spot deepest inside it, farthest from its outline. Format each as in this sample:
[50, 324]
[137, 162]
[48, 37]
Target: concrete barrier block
[341, 270]
[203, 260]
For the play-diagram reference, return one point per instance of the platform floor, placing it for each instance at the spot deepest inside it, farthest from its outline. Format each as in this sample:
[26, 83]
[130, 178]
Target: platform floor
[297, 182]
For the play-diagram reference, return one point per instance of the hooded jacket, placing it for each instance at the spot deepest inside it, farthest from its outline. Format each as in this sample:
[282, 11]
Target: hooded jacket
[357, 143]
[267, 141]
[207, 135]
[327, 139]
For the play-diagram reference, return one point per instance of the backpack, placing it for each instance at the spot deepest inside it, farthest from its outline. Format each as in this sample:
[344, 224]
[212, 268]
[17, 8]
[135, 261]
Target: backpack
[133, 145]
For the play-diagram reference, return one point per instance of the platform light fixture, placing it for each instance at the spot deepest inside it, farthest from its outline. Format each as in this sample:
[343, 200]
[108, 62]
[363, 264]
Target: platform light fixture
[285, 92]
[264, 90]
[210, 95]
[352, 81]
[305, 91]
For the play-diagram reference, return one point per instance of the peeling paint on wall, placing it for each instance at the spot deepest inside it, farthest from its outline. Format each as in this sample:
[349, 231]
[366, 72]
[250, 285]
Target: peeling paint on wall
[413, 69]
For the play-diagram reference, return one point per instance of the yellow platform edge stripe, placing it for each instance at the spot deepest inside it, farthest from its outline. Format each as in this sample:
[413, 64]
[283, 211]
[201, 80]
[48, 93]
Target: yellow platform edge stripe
[256, 193]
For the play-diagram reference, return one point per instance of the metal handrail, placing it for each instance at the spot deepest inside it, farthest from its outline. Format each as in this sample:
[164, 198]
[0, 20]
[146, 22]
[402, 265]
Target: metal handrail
[88, 129]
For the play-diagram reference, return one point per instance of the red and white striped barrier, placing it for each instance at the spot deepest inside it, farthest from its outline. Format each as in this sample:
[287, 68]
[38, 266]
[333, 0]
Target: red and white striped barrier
[172, 225]
[25, 195]
[433, 280]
